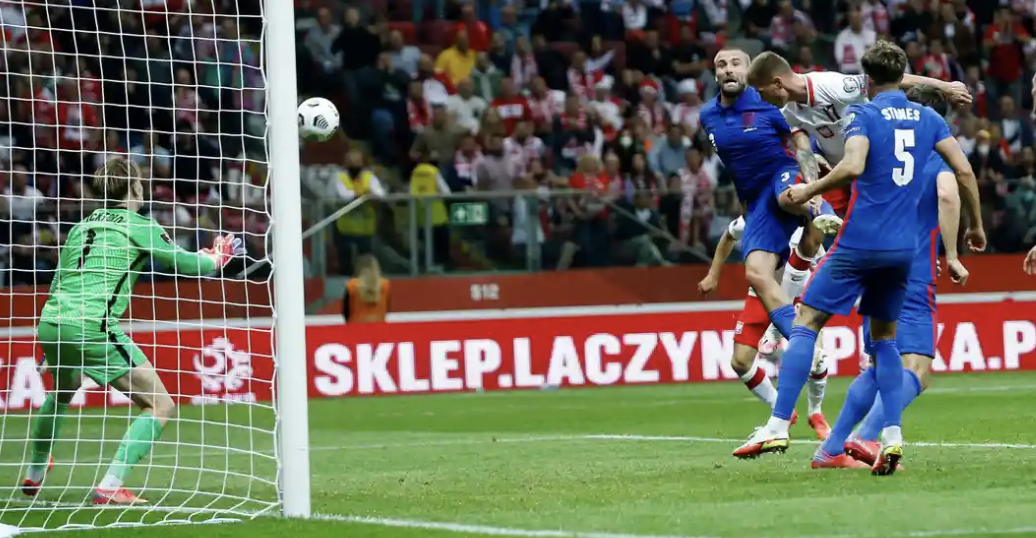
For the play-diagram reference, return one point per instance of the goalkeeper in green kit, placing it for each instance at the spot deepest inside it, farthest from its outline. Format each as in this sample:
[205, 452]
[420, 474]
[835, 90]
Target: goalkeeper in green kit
[79, 326]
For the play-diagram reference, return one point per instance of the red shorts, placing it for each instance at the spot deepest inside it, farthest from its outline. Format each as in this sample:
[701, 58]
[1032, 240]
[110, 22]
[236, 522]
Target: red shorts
[839, 200]
[752, 323]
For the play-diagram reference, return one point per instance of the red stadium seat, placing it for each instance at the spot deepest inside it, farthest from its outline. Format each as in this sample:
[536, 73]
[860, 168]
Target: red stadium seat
[438, 33]
[406, 28]
[620, 53]
[431, 50]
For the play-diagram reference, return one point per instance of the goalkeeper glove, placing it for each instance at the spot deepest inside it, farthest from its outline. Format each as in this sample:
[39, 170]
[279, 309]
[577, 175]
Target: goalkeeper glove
[224, 248]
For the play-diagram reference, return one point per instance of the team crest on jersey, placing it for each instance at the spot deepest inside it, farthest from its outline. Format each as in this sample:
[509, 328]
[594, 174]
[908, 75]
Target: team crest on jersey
[748, 119]
[166, 238]
[854, 83]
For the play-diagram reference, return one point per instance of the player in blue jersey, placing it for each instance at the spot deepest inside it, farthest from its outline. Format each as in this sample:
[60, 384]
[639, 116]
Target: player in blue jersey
[916, 328]
[887, 142]
[750, 138]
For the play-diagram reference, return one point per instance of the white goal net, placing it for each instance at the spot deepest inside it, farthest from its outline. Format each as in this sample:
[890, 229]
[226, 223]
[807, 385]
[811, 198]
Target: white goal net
[178, 88]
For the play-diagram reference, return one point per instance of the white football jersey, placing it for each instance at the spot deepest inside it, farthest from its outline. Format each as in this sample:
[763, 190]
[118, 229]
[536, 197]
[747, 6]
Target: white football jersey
[823, 117]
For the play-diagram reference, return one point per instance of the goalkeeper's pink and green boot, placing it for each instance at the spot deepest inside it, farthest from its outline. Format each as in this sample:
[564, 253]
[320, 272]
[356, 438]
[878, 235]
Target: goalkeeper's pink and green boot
[31, 487]
[116, 496]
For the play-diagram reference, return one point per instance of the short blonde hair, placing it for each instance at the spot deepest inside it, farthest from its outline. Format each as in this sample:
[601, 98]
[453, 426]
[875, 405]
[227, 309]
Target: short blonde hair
[765, 67]
[114, 179]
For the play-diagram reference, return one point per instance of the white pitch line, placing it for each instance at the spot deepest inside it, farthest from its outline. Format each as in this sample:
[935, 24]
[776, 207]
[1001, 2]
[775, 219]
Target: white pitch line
[690, 439]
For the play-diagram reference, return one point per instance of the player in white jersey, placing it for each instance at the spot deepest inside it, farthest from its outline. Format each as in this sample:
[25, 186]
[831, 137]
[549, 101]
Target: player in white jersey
[814, 105]
[750, 327]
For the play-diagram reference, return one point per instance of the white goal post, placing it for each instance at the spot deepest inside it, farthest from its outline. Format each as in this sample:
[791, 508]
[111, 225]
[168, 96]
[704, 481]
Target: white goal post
[201, 96]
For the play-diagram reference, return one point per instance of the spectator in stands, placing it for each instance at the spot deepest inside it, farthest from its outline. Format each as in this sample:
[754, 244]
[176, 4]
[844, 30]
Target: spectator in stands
[498, 53]
[528, 208]
[549, 63]
[522, 148]
[689, 56]
[523, 68]
[185, 99]
[478, 31]
[437, 85]
[510, 28]
[385, 93]
[458, 61]
[687, 113]
[989, 166]
[486, 78]
[151, 157]
[667, 156]
[1026, 167]
[402, 56]
[852, 42]
[697, 206]
[465, 162]
[420, 6]
[956, 34]
[642, 177]
[609, 109]
[591, 210]
[439, 137]
[757, 19]
[553, 22]
[366, 298]
[466, 108]
[1016, 133]
[875, 17]
[980, 96]
[651, 56]
[1018, 231]
[493, 174]
[911, 22]
[356, 229]
[1002, 44]
[652, 107]
[639, 223]
[634, 18]
[581, 79]
[491, 124]
[789, 26]
[426, 181]
[21, 200]
[967, 138]
[545, 106]
[939, 65]
[418, 108]
[575, 136]
[511, 106]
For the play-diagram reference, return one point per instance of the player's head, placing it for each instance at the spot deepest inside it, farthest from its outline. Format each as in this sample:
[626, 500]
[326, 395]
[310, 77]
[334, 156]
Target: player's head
[769, 73]
[884, 63]
[929, 96]
[117, 182]
[731, 68]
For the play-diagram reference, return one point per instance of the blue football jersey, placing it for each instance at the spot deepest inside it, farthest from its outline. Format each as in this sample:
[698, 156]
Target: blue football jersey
[750, 138]
[883, 210]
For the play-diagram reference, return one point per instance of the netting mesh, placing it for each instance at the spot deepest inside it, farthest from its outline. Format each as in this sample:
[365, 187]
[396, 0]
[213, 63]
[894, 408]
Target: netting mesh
[177, 87]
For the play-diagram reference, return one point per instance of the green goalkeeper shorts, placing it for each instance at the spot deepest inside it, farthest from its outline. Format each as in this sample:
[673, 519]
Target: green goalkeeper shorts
[70, 351]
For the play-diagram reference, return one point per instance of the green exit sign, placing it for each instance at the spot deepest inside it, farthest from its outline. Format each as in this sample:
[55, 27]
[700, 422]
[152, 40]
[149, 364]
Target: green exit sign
[469, 214]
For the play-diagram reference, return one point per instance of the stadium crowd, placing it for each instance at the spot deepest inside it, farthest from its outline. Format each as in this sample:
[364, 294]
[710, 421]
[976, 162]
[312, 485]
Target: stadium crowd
[173, 86]
[577, 121]
[604, 96]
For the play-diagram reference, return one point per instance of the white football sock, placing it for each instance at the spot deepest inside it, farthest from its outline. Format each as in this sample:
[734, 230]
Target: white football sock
[36, 472]
[817, 385]
[778, 426]
[110, 481]
[759, 383]
[891, 435]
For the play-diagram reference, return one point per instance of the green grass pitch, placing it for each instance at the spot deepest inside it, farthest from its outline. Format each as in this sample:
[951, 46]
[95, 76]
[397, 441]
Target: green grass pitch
[627, 462]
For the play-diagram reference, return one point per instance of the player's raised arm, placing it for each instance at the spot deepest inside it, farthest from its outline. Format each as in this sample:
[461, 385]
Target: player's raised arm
[156, 242]
[956, 92]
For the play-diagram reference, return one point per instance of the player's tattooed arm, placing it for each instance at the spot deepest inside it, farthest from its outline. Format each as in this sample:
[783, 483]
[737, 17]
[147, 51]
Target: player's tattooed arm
[804, 156]
[850, 167]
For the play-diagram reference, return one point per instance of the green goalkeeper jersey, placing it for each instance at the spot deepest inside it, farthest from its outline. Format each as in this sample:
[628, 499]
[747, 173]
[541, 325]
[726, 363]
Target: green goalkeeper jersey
[100, 262]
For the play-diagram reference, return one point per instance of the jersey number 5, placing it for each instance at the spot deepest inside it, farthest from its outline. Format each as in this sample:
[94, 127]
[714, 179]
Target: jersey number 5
[902, 175]
[87, 245]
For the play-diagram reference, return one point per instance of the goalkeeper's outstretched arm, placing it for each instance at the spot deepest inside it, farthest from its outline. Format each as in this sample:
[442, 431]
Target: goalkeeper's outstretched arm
[153, 240]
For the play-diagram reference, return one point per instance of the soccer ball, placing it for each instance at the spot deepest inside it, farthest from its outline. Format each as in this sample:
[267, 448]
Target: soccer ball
[318, 119]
